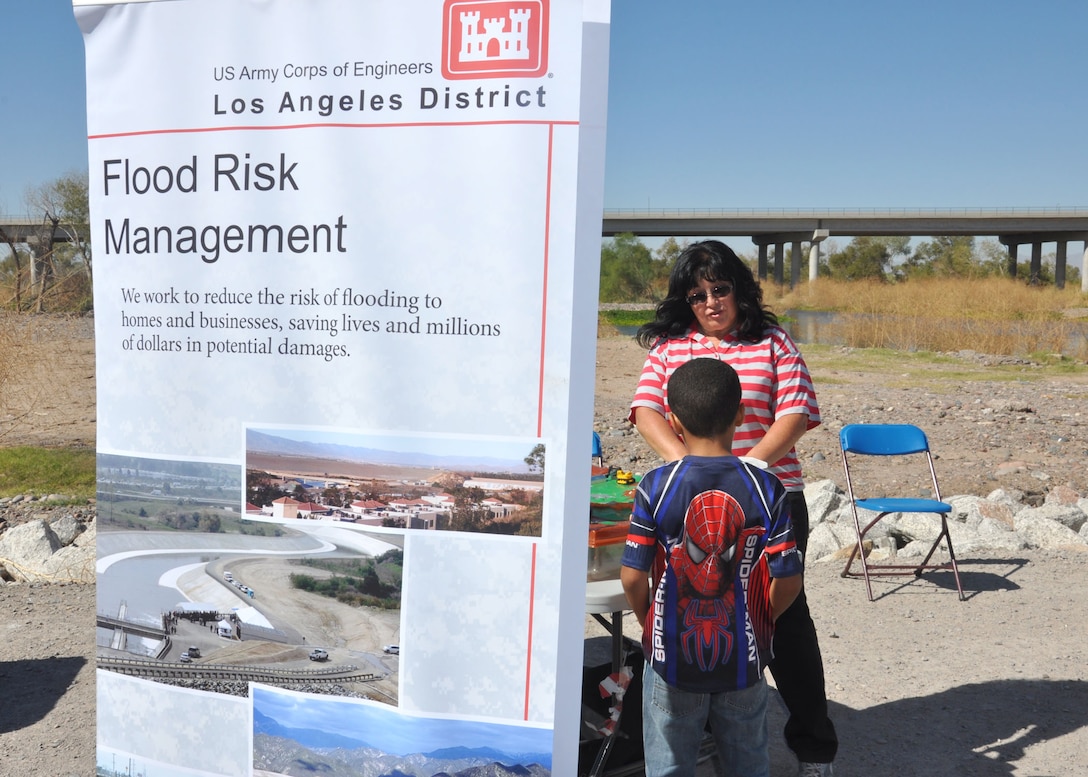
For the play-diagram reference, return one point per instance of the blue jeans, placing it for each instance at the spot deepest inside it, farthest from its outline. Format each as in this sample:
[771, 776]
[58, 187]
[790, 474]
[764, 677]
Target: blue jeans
[674, 722]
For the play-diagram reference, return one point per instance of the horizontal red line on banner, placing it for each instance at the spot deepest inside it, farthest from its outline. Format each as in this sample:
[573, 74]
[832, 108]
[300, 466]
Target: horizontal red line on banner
[336, 125]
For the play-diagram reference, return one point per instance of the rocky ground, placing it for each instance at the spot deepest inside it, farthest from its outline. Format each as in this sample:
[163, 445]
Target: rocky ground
[992, 422]
[919, 683]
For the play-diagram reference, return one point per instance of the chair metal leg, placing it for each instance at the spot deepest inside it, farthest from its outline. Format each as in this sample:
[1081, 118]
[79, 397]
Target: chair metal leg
[867, 570]
[951, 554]
[858, 551]
[855, 552]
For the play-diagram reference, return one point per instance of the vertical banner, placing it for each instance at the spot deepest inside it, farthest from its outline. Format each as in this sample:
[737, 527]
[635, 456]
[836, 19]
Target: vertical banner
[346, 262]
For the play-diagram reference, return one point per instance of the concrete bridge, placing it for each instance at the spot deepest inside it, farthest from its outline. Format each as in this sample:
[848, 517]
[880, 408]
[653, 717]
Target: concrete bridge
[132, 627]
[1013, 227]
[21, 230]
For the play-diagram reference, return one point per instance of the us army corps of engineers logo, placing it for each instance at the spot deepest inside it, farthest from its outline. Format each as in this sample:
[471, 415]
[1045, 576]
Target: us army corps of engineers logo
[495, 39]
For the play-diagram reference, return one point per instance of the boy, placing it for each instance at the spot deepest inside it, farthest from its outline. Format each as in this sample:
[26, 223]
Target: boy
[726, 566]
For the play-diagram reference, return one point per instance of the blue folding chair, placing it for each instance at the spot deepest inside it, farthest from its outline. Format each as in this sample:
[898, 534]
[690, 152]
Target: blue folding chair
[892, 440]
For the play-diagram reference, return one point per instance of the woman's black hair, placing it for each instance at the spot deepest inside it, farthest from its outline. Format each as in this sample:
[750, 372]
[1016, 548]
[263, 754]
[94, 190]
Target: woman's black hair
[709, 260]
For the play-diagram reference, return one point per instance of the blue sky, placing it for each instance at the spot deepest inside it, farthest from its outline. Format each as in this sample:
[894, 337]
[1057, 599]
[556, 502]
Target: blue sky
[965, 104]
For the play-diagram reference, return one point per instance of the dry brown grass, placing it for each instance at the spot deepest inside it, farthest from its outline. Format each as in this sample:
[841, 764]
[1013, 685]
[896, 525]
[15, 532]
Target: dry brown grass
[12, 342]
[47, 386]
[991, 315]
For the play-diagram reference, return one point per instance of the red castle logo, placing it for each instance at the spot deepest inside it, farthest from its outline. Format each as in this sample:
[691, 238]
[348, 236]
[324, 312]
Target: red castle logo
[495, 39]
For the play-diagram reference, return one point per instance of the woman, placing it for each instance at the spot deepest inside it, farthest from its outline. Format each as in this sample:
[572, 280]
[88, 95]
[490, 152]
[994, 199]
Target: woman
[714, 309]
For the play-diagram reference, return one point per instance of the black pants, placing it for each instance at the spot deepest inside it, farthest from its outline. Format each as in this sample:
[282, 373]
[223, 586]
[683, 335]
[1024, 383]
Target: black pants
[798, 668]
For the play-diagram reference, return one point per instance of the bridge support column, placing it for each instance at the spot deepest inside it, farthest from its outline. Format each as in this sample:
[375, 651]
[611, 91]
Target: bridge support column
[818, 236]
[1059, 264]
[1084, 269]
[1061, 260]
[796, 241]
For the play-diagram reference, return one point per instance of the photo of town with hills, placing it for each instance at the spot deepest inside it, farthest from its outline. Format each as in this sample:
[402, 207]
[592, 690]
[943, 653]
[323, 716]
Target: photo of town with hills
[396, 482]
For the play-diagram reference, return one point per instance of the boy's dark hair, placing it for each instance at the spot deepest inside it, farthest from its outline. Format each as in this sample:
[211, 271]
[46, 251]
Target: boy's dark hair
[704, 394]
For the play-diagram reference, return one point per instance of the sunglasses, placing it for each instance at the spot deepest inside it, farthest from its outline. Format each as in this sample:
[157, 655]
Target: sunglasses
[699, 297]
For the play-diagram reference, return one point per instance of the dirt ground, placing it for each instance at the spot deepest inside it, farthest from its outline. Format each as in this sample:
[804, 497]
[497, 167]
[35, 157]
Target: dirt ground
[919, 683]
[342, 630]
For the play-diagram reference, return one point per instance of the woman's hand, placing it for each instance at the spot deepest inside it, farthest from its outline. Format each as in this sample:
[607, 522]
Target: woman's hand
[782, 435]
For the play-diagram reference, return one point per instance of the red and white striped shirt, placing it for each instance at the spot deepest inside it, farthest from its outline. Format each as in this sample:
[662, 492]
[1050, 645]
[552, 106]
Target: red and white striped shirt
[774, 381]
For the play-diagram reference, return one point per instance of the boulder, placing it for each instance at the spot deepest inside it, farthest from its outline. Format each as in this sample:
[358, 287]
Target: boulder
[38, 551]
[1068, 515]
[826, 539]
[67, 528]
[824, 498]
[24, 549]
[1038, 531]
[72, 564]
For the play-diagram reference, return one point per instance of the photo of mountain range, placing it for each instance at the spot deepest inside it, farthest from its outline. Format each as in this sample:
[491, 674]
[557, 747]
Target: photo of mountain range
[299, 734]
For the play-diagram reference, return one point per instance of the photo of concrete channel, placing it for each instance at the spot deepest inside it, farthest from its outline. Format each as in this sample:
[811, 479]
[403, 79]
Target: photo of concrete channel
[193, 593]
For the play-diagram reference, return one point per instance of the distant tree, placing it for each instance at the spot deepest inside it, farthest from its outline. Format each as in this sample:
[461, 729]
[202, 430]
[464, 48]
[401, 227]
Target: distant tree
[943, 257]
[629, 272]
[867, 257]
[665, 257]
[467, 515]
[210, 523]
[519, 496]
[333, 496]
[992, 258]
[371, 490]
[531, 522]
[827, 248]
[371, 584]
[535, 459]
[260, 488]
[394, 557]
[64, 207]
[303, 582]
